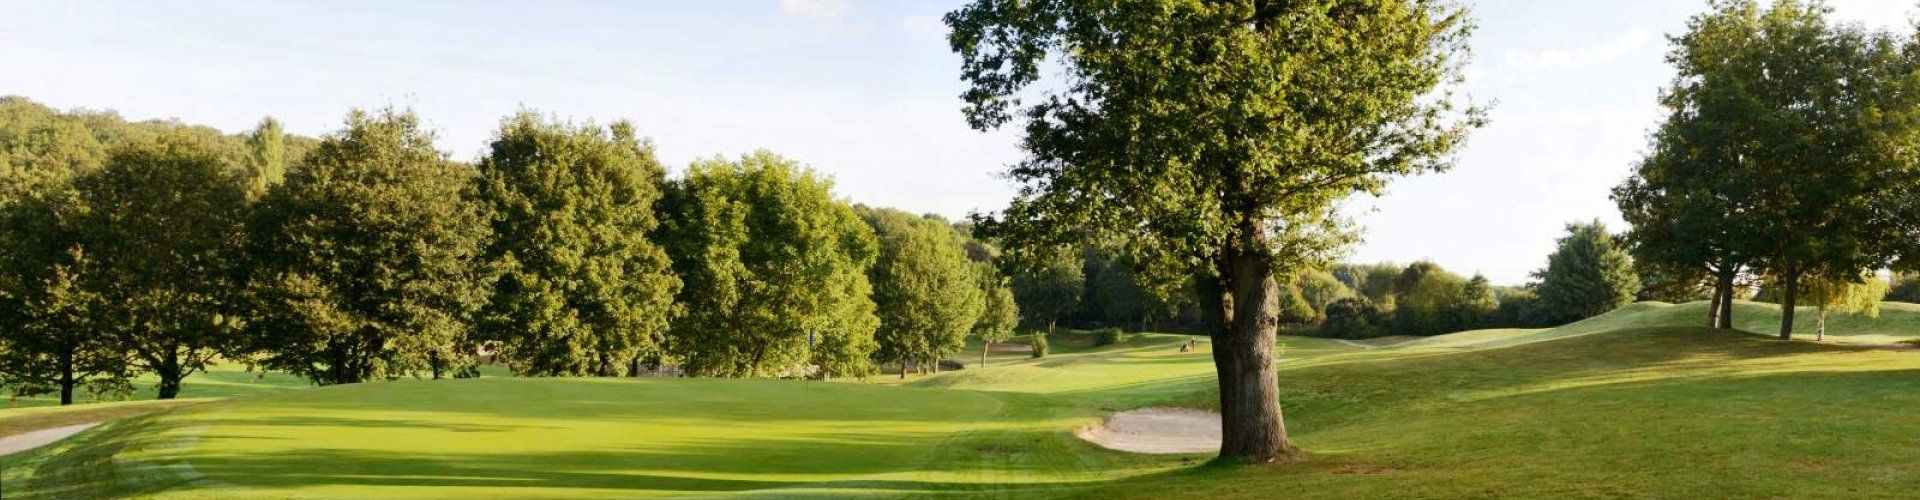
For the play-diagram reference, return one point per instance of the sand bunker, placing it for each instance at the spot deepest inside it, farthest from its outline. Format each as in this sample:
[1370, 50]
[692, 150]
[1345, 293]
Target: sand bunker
[1157, 430]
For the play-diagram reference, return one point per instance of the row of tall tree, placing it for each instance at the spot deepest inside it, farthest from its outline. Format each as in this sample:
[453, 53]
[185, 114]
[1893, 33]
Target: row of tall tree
[1788, 157]
[368, 254]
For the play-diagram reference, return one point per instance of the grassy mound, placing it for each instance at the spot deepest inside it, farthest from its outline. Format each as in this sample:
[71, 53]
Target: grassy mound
[1638, 402]
[1897, 322]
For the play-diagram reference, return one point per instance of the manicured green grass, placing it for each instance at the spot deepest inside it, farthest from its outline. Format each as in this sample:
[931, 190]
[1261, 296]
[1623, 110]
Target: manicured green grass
[1635, 403]
[1652, 412]
[222, 380]
[561, 438]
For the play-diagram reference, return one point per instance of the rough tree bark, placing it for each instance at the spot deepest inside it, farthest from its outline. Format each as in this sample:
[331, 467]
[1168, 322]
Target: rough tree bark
[1252, 429]
[1787, 301]
[1713, 306]
[1725, 287]
[66, 376]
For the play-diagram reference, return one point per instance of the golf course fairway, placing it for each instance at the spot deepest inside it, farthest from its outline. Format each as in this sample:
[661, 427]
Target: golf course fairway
[1634, 403]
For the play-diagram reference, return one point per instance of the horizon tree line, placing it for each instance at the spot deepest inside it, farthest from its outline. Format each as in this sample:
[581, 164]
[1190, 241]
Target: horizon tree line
[367, 254]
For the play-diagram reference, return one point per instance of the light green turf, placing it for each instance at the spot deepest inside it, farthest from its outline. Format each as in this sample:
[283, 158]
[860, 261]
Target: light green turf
[582, 438]
[1630, 404]
[221, 380]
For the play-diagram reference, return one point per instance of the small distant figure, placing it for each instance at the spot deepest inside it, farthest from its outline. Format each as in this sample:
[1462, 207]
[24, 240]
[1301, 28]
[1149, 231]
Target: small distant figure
[1186, 346]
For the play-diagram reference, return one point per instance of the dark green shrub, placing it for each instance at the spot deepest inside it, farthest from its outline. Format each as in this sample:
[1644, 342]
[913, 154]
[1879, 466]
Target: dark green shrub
[1040, 344]
[1108, 336]
[1352, 318]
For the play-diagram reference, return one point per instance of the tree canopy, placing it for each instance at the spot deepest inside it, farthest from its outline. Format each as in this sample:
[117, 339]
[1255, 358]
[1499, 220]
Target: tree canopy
[1788, 150]
[924, 289]
[778, 267]
[1139, 142]
[583, 290]
[162, 231]
[367, 261]
[1586, 275]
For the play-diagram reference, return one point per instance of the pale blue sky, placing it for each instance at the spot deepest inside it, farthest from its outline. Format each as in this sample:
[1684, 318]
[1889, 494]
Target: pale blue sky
[862, 90]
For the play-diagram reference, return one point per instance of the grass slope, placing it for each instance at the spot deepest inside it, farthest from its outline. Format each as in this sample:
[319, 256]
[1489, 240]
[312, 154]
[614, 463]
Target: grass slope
[1636, 403]
[221, 380]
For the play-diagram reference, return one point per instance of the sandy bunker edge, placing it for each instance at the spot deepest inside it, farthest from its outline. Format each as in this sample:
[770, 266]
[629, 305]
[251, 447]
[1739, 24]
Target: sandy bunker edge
[1157, 430]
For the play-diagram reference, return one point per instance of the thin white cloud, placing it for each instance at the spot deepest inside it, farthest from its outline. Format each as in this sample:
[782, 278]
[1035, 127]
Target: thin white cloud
[923, 27]
[1627, 43]
[1875, 13]
[814, 9]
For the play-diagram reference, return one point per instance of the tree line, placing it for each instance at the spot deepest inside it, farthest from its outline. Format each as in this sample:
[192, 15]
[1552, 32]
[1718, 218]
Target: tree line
[1588, 273]
[565, 250]
[1786, 160]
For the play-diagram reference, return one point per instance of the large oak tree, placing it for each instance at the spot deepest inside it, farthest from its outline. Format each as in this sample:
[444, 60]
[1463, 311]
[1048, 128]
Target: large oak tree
[1214, 138]
[367, 259]
[774, 271]
[1787, 151]
[583, 290]
[162, 231]
[924, 289]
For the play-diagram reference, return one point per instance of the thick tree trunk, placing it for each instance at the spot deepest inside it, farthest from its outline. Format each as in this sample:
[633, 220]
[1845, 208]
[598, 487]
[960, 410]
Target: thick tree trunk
[1713, 307]
[66, 376]
[1787, 303]
[1252, 429]
[170, 374]
[1726, 297]
[903, 369]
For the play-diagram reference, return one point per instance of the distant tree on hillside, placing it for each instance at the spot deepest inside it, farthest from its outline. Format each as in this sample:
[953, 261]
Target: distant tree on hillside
[999, 314]
[924, 289]
[1411, 276]
[1860, 295]
[1048, 291]
[164, 220]
[1374, 281]
[1294, 308]
[42, 150]
[1428, 301]
[1114, 294]
[367, 261]
[583, 290]
[1319, 289]
[1352, 318]
[266, 159]
[1520, 308]
[1478, 303]
[1905, 287]
[1588, 274]
[774, 271]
